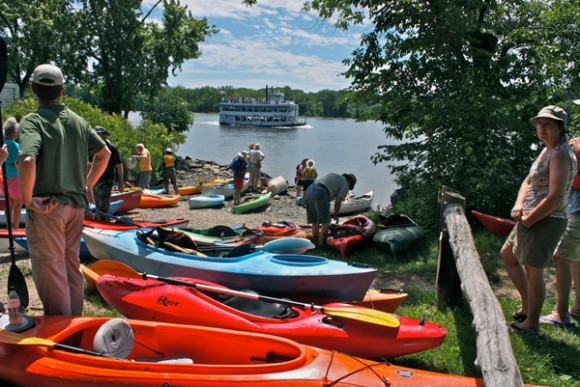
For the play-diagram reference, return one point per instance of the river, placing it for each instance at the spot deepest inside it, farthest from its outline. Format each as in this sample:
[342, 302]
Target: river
[336, 145]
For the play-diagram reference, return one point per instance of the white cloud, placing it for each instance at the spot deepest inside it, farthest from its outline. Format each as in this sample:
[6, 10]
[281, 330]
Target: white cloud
[273, 42]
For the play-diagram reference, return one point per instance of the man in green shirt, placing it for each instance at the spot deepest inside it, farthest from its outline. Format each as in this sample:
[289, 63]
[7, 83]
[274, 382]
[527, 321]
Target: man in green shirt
[55, 145]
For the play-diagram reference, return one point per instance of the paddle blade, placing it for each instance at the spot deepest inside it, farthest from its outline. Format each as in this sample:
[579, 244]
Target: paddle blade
[17, 282]
[9, 337]
[367, 315]
[118, 269]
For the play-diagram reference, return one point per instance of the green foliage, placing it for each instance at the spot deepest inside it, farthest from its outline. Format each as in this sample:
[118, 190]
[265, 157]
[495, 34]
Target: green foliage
[155, 137]
[455, 83]
[37, 31]
[171, 111]
[107, 46]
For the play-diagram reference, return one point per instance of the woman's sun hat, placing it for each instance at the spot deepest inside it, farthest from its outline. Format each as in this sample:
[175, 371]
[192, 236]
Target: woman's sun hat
[553, 112]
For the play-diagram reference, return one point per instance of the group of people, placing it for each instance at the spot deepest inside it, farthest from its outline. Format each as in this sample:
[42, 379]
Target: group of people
[547, 215]
[59, 166]
[247, 161]
[306, 174]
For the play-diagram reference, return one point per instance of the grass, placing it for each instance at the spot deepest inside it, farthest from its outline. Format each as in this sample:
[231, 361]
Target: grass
[550, 358]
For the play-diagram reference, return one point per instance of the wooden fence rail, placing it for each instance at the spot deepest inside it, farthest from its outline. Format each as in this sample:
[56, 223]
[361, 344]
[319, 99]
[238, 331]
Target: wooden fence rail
[495, 356]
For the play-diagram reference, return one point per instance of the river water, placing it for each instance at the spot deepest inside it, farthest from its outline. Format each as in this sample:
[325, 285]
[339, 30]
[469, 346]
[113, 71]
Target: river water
[336, 145]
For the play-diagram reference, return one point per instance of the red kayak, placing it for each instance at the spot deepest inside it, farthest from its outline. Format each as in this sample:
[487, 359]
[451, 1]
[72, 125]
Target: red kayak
[128, 224]
[131, 199]
[495, 224]
[350, 234]
[158, 301]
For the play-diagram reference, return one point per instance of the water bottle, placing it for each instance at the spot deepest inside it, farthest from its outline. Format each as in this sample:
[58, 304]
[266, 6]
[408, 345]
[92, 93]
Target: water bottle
[14, 314]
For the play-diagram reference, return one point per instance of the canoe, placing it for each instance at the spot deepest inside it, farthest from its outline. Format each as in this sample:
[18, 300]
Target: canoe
[206, 201]
[277, 185]
[157, 354]
[495, 224]
[398, 232]
[131, 198]
[354, 203]
[252, 203]
[155, 201]
[113, 207]
[261, 271]
[85, 254]
[22, 217]
[351, 234]
[140, 299]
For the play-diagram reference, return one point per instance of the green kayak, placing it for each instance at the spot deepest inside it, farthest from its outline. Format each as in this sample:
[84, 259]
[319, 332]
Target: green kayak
[397, 233]
[252, 203]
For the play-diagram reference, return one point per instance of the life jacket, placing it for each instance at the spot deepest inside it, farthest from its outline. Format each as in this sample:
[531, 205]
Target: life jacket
[310, 172]
[168, 161]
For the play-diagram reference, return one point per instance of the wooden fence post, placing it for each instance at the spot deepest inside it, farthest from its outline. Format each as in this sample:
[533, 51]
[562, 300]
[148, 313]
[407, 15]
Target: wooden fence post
[495, 356]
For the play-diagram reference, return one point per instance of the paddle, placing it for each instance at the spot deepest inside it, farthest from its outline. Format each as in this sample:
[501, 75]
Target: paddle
[118, 219]
[9, 337]
[16, 279]
[367, 315]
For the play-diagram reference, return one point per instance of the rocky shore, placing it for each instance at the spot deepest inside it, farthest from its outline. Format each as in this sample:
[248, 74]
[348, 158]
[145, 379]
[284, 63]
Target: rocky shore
[193, 172]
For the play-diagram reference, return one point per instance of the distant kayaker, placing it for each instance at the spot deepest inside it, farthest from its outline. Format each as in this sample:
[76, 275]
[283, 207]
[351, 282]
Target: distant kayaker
[255, 158]
[319, 195]
[299, 178]
[104, 186]
[167, 170]
[144, 165]
[239, 166]
[55, 144]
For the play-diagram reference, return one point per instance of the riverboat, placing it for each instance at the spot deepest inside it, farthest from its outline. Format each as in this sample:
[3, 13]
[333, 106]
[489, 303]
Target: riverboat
[272, 111]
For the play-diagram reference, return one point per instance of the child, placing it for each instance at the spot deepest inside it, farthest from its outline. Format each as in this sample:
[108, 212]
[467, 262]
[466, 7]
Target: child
[239, 166]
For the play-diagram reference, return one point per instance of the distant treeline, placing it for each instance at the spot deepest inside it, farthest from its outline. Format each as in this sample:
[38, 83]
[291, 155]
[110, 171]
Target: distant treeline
[324, 103]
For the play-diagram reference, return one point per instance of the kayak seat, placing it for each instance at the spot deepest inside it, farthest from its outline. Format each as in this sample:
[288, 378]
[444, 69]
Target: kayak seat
[240, 250]
[221, 231]
[259, 308]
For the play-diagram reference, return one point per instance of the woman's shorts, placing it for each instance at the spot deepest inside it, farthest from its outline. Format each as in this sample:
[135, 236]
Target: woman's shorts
[569, 246]
[535, 246]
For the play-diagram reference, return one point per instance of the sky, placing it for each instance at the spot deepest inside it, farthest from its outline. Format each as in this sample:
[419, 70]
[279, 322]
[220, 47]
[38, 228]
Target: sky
[274, 43]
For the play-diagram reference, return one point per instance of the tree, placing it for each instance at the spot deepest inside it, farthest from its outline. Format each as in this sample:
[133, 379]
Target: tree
[110, 46]
[37, 31]
[170, 111]
[455, 84]
[131, 55]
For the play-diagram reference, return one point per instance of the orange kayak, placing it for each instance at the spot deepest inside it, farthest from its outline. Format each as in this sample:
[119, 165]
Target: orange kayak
[154, 201]
[162, 354]
[385, 300]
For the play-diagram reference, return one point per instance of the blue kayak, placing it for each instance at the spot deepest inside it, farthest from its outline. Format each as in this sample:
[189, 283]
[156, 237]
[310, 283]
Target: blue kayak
[261, 271]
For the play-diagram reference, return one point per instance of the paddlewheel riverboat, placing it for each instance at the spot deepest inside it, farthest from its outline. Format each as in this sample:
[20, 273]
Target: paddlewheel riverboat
[271, 111]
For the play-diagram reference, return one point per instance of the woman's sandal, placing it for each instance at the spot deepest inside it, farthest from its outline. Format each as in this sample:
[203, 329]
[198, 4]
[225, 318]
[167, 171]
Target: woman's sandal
[514, 328]
[519, 317]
